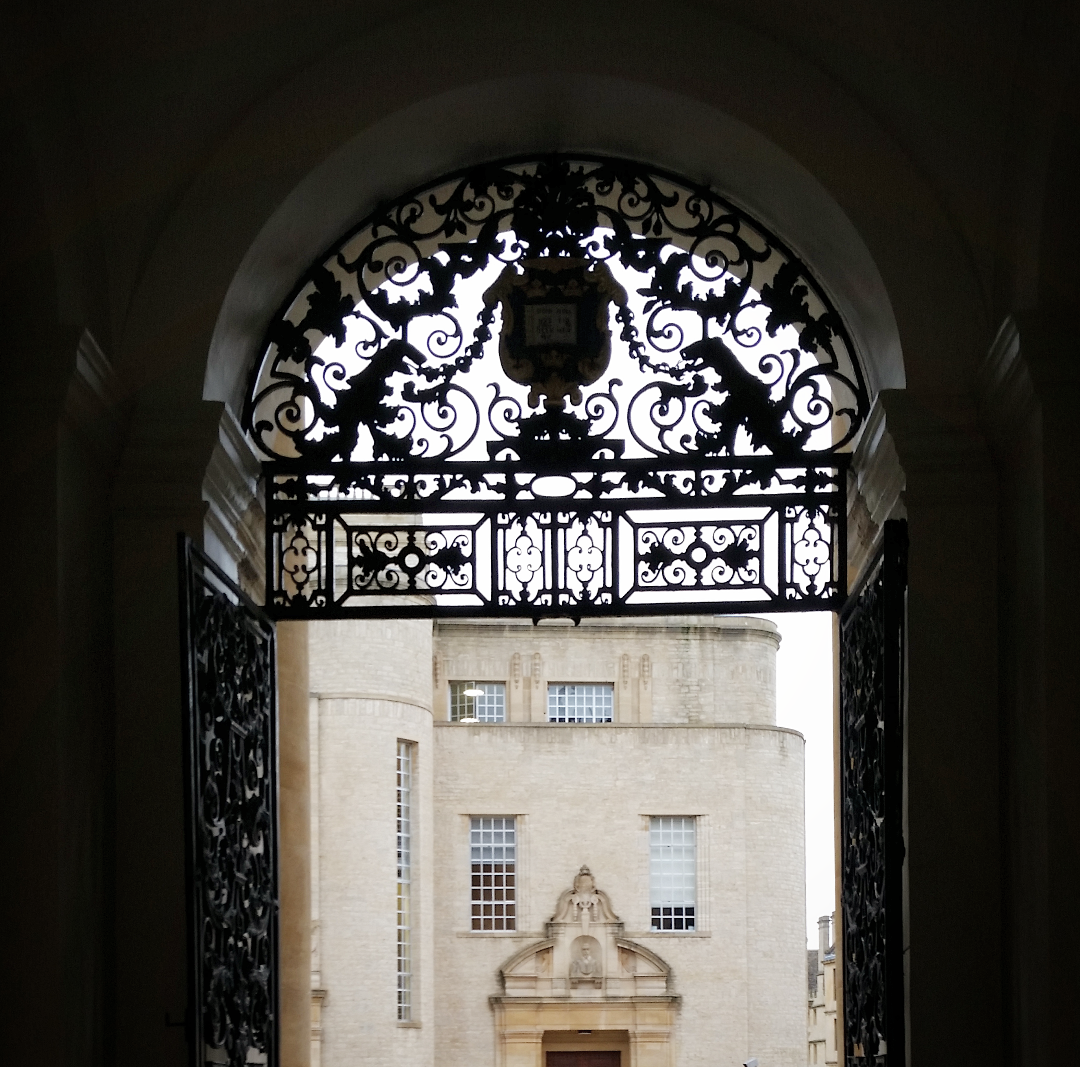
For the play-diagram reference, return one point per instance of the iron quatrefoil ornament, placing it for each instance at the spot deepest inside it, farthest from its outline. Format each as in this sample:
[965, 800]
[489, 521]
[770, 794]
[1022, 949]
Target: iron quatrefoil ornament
[557, 386]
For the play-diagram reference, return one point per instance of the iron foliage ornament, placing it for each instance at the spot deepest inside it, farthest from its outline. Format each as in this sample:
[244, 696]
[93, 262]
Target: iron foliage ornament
[231, 756]
[569, 386]
[872, 844]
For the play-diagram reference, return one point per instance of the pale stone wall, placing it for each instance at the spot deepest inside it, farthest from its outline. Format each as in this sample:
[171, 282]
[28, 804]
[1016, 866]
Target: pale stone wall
[372, 681]
[583, 794]
[380, 659]
[697, 669]
[694, 735]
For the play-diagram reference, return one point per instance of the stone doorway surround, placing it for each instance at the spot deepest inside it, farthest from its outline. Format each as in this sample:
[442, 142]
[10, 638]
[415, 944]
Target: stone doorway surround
[585, 976]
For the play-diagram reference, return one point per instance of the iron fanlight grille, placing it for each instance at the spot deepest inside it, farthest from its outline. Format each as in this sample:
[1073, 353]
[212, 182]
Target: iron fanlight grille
[559, 386]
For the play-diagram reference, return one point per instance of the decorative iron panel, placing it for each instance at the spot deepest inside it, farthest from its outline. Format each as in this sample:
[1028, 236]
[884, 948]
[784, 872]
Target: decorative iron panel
[566, 385]
[231, 752]
[366, 544]
[871, 781]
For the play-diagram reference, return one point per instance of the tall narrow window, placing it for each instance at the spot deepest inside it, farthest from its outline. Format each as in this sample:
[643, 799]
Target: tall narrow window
[580, 703]
[479, 701]
[405, 750]
[493, 846]
[672, 872]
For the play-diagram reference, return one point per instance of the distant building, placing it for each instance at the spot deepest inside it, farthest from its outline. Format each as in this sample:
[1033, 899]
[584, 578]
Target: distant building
[555, 844]
[821, 1020]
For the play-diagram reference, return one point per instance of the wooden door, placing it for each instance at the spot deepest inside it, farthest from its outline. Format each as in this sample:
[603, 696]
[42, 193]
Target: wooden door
[584, 1059]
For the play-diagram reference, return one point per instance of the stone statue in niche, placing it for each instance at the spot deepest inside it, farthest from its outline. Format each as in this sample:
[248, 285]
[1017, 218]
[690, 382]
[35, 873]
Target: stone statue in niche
[585, 960]
[584, 903]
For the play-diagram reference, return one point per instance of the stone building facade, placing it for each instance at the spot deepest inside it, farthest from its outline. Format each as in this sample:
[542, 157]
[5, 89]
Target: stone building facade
[822, 1021]
[574, 946]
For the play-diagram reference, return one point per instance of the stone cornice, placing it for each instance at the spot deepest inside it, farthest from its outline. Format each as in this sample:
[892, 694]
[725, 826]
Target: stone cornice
[733, 627]
[164, 461]
[941, 449]
[1006, 390]
[762, 727]
[586, 1005]
[386, 698]
[876, 484]
[1030, 364]
[92, 404]
[878, 477]
[231, 490]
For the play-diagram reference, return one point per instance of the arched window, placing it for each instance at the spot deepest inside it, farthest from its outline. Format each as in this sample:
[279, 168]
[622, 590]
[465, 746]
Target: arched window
[557, 386]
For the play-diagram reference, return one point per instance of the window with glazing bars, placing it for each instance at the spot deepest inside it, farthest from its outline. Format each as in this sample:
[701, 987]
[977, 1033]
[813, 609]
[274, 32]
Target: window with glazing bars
[672, 871]
[483, 701]
[580, 703]
[493, 848]
[405, 753]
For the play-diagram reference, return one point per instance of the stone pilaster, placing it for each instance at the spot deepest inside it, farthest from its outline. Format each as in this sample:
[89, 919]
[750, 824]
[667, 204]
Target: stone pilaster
[294, 806]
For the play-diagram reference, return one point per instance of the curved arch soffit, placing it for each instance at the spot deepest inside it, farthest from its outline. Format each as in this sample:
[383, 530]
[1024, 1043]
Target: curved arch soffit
[380, 392]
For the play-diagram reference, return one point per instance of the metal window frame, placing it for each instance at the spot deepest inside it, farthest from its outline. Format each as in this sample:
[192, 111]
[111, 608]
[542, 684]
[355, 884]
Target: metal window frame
[687, 911]
[499, 697]
[406, 759]
[502, 912]
[608, 693]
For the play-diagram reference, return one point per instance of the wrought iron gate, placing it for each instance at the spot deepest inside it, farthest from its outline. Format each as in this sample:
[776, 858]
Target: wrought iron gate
[560, 386]
[872, 681]
[230, 740]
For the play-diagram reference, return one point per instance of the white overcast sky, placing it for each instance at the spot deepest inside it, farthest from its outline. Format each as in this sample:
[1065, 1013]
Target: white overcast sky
[804, 702]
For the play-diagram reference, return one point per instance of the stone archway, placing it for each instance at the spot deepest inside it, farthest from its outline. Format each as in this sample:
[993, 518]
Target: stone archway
[633, 1000]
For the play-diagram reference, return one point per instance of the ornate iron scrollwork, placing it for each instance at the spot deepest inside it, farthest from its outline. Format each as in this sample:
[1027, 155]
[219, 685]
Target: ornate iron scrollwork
[872, 846]
[624, 539]
[577, 320]
[228, 661]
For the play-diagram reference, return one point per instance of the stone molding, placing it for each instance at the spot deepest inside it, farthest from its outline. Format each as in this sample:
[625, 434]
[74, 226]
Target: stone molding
[92, 405]
[1016, 379]
[731, 624]
[235, 514]
[95, 374]
[942, 450]
[767, 728]
[1006, 391]
[876, 484]
[386, 698]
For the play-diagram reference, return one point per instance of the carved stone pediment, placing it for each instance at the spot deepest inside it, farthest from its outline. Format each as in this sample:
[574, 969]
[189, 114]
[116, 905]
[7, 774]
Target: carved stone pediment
[528, 970]
[584, 903]
[585, 955]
